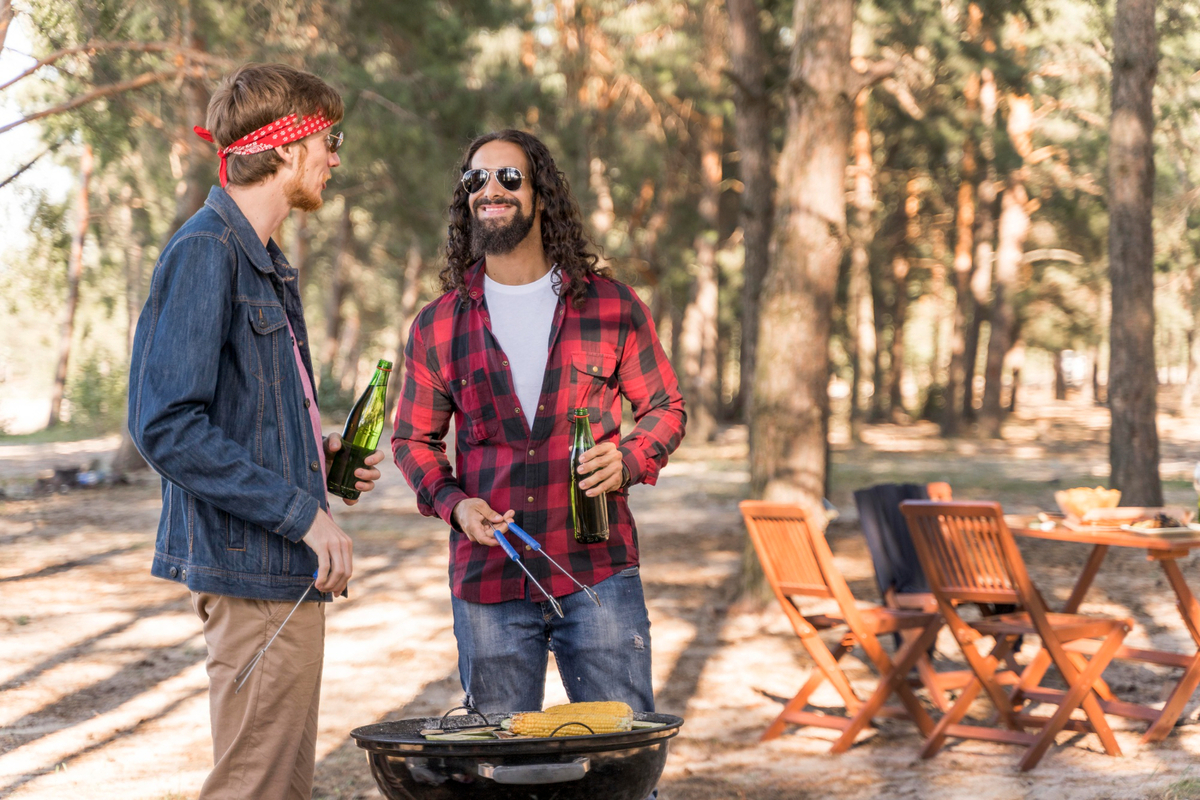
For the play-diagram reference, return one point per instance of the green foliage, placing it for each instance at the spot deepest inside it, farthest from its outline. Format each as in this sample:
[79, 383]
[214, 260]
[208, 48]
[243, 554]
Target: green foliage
[96, 392]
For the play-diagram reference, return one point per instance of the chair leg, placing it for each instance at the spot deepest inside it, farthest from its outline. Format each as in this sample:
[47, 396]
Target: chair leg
[798, 702]
[1080, 693]
[952, 717]
[893, 680]
[828, 665]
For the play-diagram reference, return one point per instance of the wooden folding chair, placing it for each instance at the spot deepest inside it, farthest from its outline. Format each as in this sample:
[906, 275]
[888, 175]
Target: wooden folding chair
[797, 561]
[969, 556]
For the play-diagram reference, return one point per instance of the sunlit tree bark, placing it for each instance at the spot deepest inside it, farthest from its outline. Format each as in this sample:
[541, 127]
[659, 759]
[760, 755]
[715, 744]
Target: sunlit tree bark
[66, 329]
[752, 126]
[788, 432]
[1132, 379]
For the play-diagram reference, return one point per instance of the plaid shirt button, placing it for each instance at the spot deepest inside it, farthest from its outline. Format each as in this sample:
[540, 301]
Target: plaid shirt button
[530, 498]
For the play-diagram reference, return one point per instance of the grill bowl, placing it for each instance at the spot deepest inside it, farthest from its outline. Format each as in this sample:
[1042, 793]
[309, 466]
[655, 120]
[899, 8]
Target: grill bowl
[614, 766]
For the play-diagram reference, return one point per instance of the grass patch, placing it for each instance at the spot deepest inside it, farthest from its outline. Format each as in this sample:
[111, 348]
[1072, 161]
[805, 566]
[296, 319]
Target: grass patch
[59, 433]
[1186, 789]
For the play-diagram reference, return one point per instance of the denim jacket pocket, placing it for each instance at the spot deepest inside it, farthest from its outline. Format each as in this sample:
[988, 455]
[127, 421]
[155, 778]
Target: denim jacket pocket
[266, 324]
[235, 530]
[478, 407]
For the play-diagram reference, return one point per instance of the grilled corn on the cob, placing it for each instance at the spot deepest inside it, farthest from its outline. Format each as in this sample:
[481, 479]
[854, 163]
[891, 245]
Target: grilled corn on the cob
[614, 707]
[598, 717]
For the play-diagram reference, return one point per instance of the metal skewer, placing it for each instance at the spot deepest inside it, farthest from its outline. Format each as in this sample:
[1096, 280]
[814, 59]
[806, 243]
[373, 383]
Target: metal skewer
[508, 548]
[533, 543]
[244, 675]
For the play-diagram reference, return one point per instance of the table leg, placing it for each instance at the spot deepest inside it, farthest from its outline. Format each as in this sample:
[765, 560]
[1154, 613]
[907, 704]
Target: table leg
[1189, 609]
[1085, 579]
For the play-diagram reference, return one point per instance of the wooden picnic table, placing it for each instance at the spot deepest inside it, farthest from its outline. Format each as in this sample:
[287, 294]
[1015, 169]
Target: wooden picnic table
[1166, 550]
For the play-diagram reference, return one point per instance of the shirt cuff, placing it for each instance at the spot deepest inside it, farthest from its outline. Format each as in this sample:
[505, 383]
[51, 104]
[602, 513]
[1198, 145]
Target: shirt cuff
[446, 502]
[631, 470]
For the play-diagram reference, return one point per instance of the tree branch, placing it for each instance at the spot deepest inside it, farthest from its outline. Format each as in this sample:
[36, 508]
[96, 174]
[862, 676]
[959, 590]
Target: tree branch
[36, 159]
[139, 82]
[91, 48]
[904, 97]
[395, 108]
[1052, 254]
[869, 73]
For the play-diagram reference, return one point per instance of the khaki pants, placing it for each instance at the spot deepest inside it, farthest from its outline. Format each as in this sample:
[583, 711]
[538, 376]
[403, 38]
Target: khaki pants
[264, 737]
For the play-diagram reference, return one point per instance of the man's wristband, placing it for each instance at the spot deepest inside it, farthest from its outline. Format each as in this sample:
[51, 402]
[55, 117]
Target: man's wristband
[625, 476]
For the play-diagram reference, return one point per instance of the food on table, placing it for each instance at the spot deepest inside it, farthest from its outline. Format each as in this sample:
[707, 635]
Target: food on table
[1156, 522]
[1079, 501]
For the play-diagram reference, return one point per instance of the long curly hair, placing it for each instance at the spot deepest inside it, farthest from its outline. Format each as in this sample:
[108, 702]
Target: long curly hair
[563, 237]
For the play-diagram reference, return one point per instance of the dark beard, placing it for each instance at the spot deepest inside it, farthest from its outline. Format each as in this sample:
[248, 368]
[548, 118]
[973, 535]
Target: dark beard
[499, 239]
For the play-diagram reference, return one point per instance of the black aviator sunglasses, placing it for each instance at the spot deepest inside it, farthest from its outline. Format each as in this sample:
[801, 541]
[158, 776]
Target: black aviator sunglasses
[475, 179]
[333, 141]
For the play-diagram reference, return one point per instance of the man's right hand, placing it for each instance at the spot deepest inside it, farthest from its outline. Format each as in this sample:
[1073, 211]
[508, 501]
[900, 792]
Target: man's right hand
[476, 519]
[335, 553]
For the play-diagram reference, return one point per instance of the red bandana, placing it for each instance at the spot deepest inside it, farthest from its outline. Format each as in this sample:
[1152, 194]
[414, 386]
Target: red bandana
[280, 132]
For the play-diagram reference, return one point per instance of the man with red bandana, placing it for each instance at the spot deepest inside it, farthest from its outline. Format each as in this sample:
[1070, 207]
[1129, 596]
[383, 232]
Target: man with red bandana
[221, 405]
[530, 328]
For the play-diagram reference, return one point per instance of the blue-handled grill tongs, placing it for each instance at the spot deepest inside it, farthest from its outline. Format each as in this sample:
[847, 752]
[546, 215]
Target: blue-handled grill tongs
[534, 545]
[512, 553]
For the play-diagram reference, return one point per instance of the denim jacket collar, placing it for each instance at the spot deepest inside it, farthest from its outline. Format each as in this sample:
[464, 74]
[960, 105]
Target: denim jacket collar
[220, 202]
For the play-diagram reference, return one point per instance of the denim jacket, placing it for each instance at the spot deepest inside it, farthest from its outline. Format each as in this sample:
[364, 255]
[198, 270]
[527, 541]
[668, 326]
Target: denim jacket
[217, 408]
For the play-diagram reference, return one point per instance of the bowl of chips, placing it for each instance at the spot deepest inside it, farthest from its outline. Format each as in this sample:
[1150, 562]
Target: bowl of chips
[1076, 503]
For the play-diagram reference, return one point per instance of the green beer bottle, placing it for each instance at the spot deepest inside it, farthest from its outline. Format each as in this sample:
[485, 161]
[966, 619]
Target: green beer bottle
[360, 436]
[589, 515]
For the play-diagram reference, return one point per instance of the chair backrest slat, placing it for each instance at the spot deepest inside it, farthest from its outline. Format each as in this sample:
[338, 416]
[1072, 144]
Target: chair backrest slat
[783, 541]
[964, 552]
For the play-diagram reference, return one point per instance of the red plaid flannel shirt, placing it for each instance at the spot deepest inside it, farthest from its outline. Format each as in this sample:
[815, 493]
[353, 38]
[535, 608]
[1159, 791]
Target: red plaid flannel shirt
[455, 367]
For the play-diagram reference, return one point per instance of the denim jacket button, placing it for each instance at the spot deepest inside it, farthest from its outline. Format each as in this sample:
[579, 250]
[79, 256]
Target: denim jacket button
[315, 466]
[174, 571]
[183, 574]
[307, 402]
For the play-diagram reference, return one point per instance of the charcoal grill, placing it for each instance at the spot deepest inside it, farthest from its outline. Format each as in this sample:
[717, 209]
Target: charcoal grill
[613, 766]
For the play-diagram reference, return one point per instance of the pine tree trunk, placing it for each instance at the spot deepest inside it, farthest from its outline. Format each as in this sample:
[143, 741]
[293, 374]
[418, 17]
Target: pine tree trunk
[66, 329]
[301, 245]
[860, 303]
[1132, 380]
[338, 285]
[789, 430]
[1191, 388]
[1014, 226]
[1060, 377]
[985, 234]
[409, 295]
[6, 15]
[964, 244]
[1010, 252]
[895, 376]
[752, 127]
[700, 317]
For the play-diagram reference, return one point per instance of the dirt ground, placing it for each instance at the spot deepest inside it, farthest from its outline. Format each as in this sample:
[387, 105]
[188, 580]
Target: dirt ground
[103, 692]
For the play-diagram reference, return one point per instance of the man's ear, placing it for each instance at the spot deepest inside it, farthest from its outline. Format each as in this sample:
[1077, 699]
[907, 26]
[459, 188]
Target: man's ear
[290, 153]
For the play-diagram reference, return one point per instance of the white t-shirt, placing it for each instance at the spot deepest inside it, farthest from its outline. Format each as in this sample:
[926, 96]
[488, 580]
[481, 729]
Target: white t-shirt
[521, 320]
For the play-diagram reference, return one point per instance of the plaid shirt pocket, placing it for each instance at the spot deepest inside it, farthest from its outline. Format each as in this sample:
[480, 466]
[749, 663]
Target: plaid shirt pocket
[477, 407]
[593, 381]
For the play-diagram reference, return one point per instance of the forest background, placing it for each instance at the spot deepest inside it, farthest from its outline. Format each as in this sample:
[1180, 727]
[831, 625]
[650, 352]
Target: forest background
[837, 211]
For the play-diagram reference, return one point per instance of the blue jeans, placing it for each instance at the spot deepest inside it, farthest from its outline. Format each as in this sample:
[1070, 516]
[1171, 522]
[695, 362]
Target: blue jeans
[602, 653]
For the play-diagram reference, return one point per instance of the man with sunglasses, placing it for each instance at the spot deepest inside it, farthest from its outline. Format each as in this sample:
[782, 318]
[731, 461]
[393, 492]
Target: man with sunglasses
[221, 405]
[530, 328]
